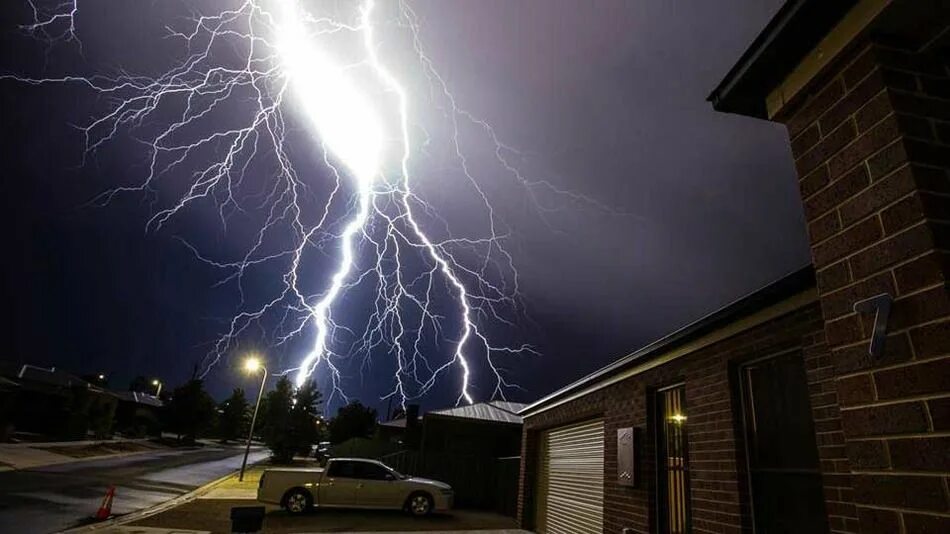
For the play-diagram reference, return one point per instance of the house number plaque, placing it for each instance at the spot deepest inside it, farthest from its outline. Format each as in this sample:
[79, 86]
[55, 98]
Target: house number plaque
[626, 467]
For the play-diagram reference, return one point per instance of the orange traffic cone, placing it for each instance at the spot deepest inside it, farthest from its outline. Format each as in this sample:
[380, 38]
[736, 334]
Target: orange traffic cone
[105, 509]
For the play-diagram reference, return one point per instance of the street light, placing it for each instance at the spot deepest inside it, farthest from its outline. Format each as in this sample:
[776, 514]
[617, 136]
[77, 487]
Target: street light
[251, 365]
[158, 386]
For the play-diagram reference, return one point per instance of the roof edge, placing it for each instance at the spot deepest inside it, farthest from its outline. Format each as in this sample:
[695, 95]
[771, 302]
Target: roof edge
[782, 289]
[476, 420]
[789, 36]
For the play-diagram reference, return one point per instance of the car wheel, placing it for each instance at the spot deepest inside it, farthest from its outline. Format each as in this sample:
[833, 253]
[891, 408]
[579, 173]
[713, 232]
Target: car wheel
[297, 501]
[419, 504]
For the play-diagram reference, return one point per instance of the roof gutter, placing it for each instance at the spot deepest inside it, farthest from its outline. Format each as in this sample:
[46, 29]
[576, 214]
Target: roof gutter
[792, 33]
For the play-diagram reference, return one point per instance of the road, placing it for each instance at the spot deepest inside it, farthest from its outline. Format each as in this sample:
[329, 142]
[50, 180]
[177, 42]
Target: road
[49, 499]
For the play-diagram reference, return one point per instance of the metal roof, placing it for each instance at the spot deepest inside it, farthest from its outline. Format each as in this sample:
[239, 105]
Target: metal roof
[495, 411]
[8, 384]
[49, 376]
[139, 398]
[513, 407]
[395, 423]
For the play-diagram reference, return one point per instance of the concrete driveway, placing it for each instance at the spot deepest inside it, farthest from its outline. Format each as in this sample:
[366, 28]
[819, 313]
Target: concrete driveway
[213, 515]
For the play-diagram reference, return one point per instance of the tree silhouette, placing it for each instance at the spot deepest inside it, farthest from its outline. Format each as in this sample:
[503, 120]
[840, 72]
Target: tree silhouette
[234, 417]
[352, 421]
[190, 412]
[289, 419]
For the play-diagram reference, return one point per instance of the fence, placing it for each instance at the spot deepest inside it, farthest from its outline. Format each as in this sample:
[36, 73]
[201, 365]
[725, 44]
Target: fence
[481, 482]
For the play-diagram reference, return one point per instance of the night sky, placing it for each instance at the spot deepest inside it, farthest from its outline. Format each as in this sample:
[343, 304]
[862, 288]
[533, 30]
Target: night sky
[605, 99]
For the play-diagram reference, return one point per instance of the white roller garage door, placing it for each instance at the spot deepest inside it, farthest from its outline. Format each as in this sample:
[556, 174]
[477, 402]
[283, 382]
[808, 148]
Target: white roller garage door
[571, 482]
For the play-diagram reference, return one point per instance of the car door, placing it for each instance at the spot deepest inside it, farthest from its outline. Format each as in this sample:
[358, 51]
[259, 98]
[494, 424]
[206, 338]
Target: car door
[339, 484]
[377, 487]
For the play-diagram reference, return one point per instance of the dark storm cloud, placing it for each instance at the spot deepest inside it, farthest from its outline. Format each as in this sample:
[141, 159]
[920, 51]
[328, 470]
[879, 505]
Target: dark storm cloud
[604, 98]
[608, 98]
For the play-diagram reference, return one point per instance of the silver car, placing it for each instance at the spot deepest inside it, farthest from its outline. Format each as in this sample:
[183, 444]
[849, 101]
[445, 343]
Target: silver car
[353, 483]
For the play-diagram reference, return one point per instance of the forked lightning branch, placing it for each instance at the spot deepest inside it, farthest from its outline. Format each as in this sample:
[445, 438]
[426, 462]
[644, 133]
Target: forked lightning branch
[434, 293]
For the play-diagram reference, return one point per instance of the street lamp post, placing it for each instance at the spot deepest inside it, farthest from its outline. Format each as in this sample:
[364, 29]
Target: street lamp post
[252, 365]
[158, 387]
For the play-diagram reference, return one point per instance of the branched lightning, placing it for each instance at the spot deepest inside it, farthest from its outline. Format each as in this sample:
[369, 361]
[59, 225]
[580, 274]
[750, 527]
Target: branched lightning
[228, 108]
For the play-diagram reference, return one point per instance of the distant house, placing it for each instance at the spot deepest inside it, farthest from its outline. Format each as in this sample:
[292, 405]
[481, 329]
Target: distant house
[393, 430]
[58, 404]
[55, 403]
[402, 429]
[137, 413]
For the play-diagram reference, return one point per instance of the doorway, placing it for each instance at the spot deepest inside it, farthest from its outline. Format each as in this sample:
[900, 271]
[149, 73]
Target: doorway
[672, 459]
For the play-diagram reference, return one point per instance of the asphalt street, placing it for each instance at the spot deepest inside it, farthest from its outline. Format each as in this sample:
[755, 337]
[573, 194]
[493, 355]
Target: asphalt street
[49, 499]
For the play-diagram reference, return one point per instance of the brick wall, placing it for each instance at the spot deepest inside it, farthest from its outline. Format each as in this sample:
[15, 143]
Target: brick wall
[872, 149]
[719, 493]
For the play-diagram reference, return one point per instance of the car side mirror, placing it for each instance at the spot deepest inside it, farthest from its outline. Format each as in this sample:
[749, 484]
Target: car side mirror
[389, 477]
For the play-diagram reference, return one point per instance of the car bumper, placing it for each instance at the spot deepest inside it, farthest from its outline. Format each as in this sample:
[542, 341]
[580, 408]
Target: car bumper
[444, 501]
[268, 498]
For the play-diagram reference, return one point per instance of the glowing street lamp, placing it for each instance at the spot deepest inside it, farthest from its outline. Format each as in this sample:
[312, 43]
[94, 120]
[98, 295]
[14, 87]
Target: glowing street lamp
[252, 365]
[158, 387]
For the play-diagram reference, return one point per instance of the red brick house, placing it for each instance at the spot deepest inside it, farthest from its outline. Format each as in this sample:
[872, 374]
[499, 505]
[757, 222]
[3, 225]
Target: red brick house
[822, 402]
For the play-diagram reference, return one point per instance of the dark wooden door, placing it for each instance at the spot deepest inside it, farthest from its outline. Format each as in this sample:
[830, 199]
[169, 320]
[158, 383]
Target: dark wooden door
[784, 473]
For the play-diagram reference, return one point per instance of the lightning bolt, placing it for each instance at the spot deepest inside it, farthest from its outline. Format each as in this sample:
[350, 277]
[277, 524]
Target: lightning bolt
[232, 116]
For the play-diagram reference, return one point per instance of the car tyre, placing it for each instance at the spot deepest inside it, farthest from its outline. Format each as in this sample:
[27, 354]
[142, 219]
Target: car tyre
[420, 504]
[297, 501]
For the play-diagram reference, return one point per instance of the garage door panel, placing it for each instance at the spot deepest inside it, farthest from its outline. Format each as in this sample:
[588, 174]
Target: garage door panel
[571, 482]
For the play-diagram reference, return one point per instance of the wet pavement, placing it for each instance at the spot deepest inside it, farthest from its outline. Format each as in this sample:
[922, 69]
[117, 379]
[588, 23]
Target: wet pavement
[49, 499]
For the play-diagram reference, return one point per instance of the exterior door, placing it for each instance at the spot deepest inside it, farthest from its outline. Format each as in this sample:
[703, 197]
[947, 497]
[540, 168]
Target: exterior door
[672, 459]
[571, 482]
[339, 485]
[785, 479]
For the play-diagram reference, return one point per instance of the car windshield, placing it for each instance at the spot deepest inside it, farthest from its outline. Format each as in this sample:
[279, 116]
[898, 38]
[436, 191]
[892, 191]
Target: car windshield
[395, 473]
